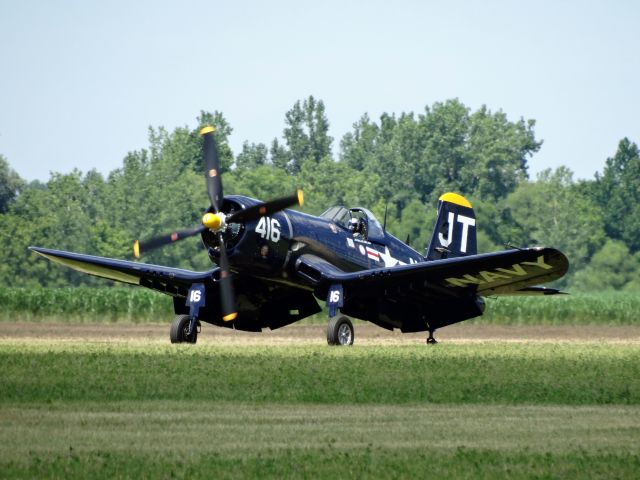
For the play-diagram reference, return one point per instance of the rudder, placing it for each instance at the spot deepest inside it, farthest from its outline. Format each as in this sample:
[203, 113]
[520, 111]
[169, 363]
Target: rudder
[454, 234]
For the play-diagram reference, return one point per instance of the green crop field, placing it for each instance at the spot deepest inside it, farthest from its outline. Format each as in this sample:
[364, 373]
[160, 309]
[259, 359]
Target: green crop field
[139, 305]
[466, 410]
[83, 304]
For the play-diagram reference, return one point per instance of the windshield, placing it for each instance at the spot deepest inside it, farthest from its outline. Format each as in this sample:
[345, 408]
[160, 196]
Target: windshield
[338, 215]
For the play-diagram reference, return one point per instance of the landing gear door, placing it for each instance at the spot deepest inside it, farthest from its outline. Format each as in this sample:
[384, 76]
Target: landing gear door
[335, 299]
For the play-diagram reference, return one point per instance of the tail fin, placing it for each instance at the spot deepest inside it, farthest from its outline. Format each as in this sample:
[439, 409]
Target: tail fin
[454, 234]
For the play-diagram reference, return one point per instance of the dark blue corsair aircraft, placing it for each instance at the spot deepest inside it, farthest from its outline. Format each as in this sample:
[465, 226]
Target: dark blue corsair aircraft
[274, 264]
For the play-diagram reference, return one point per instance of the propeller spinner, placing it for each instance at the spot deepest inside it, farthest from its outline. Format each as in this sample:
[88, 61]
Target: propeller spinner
[217, 221]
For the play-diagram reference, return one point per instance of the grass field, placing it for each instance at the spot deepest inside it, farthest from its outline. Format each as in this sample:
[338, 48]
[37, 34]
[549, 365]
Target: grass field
[457, 410]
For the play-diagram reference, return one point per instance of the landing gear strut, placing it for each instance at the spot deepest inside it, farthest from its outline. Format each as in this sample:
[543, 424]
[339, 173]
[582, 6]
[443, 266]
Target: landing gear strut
[430, 339]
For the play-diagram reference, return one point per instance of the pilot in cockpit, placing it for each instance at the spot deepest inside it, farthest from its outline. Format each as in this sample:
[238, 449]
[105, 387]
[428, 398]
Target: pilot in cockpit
[356, 226]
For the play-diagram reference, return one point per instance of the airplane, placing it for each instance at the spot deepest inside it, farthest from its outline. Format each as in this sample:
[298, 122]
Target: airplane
[274, 264]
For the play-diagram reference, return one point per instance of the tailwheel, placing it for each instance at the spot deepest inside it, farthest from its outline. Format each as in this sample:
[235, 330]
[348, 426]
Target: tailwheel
[340, 331]
[430, 339]
[179, 332]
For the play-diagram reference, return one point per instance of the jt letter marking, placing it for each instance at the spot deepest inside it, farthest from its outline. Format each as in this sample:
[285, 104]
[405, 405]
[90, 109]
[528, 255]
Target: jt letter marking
[466, 223]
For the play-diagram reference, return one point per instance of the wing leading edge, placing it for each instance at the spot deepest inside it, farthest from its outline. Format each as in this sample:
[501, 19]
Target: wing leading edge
[173, 281]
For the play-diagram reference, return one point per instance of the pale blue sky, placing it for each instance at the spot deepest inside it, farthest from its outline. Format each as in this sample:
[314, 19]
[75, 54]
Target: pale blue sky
[80, 81]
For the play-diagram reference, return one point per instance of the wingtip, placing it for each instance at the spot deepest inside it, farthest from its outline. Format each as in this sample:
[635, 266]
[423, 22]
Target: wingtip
[38, 250]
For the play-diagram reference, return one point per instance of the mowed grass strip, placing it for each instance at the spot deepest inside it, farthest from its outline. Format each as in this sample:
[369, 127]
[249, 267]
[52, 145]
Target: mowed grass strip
[489, 373]
[374, 463]
[225, 440]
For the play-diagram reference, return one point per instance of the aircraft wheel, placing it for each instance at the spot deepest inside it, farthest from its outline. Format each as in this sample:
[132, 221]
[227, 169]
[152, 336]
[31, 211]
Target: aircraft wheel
[179, 329]
[340, 331]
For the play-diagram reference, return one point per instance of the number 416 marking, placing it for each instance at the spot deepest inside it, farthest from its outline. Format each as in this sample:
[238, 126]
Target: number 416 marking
[269, 228]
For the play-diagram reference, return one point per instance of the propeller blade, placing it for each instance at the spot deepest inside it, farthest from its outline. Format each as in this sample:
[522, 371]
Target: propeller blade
[153, 243]
[256, 211]
[212, 168]
[227, 296]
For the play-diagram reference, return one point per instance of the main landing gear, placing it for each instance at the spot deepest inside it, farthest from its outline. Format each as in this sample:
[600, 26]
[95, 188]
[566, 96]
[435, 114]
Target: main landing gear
[179, 332]
[340, 331]
[430, 339]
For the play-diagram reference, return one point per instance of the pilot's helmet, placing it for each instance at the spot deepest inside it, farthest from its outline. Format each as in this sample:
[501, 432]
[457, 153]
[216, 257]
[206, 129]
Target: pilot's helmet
[353, 223]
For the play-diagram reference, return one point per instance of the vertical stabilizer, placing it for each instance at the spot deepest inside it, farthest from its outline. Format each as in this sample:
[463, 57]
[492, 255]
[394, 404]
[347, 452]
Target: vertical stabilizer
[454, 234]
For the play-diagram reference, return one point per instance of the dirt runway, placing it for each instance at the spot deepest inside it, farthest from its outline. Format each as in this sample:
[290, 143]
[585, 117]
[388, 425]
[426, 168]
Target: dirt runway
[366, 334]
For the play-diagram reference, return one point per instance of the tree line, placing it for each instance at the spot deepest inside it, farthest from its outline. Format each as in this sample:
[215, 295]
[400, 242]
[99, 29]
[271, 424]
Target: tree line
[398, 163]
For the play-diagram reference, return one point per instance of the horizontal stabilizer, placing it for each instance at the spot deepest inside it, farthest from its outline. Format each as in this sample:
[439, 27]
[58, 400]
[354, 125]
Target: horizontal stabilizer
[530, 291]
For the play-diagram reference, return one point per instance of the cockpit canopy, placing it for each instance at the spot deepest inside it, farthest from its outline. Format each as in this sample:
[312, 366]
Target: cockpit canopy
[341, 216]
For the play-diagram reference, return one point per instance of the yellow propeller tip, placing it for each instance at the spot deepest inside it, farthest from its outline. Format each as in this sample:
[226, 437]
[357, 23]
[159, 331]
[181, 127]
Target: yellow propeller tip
[231, 316]
[300, 198]
[136, 249]
[207, 129]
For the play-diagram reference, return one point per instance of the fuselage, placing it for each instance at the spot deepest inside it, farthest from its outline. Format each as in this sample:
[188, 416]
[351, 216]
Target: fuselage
[271, 246]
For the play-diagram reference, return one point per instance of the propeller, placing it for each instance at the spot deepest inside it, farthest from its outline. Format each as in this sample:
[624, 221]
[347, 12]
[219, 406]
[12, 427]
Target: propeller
[217, 221]
[161, 240]
[227, 296]
[212, 168]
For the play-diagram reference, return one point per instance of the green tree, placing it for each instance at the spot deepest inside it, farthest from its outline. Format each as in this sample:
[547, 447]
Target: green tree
[386, 152]
[184, 145]
[551, 211]
[10, 184]
[612, 267]
[398, 158]
[359, 148]
[327, 183]
[279, 155]
[414, 222]
[618, 191]
[252, 156]
[443, 161]
[156, 192]
[498, 150]
[496, 227]
[306, 134]
[222, 133]
[58, 216]
[263, 182]
[447, 148]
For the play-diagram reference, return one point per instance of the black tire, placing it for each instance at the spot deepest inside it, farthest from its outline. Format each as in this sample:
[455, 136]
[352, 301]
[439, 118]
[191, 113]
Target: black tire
[179, 329]
[340, 331]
